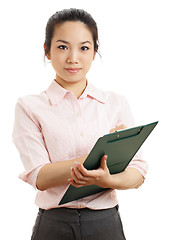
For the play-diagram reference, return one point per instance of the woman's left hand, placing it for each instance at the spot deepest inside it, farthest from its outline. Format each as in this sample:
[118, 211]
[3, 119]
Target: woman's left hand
[83, 177]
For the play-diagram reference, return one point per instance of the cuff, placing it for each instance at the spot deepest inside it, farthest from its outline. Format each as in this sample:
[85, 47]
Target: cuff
[30, 177]
[140, 165]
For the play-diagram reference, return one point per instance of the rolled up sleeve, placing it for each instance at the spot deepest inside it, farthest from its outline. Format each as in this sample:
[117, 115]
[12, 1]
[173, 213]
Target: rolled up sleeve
[138, 163]
[28, 139]
[127, 119]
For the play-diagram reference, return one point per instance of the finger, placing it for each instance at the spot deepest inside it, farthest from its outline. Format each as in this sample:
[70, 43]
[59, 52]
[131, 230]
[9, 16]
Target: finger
[112, 130]
[81, 172]
[104, 162]
[71, 181]
[122, 126]
[74, 176]
[84, 171]
[77, 182]
[88, 175]
[77, 177]
[77, 171]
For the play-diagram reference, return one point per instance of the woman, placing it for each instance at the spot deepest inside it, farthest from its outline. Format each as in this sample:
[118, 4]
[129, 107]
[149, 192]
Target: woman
[55, 131]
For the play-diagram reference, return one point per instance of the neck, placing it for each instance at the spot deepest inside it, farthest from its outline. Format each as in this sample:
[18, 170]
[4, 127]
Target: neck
[77, 88]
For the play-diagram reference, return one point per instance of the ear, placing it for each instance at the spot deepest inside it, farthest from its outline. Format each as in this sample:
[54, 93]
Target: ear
[47, 54]
[94, 55]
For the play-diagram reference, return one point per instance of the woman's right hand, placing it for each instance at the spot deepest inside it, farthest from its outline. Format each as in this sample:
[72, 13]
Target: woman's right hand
[120, 127]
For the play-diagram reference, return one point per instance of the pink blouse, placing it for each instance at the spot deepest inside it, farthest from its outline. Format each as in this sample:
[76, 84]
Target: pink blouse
[56, 126]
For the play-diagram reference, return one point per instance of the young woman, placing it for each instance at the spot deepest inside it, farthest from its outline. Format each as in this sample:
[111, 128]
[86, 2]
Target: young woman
[55, 131]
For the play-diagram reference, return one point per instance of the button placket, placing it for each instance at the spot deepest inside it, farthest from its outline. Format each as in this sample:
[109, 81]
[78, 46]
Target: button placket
[78, 113]
[80, 127]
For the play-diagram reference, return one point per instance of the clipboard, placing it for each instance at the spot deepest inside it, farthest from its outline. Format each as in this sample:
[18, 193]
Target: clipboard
[120, 146]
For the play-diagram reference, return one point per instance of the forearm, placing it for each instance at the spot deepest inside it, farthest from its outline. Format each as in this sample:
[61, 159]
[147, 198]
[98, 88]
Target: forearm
[130, 178]
[56, 174]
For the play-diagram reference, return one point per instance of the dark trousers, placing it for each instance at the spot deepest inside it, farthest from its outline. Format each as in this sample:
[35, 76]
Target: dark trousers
[78, 224]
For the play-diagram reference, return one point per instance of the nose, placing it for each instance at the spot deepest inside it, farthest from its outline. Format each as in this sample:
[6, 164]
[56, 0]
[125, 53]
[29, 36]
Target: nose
[72, 57]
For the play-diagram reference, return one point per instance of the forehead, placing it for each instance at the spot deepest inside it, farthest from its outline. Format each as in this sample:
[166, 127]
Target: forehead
[72, 31]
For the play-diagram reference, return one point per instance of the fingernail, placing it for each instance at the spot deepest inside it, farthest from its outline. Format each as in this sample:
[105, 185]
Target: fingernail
[77, 163]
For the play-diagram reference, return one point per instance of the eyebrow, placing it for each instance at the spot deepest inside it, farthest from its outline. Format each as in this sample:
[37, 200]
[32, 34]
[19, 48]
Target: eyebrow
[63, 41]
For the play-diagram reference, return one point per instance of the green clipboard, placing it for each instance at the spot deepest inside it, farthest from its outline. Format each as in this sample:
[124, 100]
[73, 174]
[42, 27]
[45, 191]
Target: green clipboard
[120, 146]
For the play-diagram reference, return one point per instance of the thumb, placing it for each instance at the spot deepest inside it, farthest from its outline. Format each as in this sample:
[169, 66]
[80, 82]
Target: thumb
[103, 162]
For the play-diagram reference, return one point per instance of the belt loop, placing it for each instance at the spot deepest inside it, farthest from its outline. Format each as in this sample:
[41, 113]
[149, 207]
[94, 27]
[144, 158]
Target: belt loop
[41, 210]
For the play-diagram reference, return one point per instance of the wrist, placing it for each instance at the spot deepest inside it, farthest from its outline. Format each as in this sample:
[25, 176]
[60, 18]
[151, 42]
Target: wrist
[81, 159]
[114, 182]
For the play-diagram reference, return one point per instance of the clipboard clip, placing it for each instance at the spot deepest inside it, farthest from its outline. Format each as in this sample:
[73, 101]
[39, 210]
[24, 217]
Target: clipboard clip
[138, 131]
[122, 134]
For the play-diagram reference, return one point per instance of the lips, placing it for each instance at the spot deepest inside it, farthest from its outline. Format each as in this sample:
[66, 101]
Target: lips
[72, 70]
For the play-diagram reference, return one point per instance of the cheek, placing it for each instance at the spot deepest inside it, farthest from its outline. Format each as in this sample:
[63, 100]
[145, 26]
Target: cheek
[88, 60]
[57, 56]
[57, 61]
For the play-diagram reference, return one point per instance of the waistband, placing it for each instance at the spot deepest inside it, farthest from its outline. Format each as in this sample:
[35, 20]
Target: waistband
[77, 215]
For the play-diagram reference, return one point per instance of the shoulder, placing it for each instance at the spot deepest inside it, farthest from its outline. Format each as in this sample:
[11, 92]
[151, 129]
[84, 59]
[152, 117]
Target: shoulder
[109, 97]
[29, 102]
[114, 98]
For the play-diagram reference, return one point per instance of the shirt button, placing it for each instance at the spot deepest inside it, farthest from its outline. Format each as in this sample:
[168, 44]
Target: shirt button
[78, 114]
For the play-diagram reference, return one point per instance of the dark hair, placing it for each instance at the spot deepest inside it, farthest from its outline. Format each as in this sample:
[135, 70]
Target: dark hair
[71, 14]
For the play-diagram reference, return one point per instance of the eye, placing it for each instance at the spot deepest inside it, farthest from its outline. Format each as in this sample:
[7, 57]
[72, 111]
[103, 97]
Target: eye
[84, 48]
[62, 47]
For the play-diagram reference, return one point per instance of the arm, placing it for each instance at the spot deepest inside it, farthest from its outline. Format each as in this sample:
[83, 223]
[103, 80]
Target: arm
[29, 140]
[128, 179]
[56, 174]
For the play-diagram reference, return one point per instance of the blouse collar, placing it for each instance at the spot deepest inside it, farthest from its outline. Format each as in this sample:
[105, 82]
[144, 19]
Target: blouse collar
[56, 93]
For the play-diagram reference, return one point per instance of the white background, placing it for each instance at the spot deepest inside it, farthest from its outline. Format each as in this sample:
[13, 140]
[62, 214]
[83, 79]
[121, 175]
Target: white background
[138, 48]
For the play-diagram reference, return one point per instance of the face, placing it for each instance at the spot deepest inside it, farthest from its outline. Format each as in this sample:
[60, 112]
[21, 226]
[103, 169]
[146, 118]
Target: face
[71, 52]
